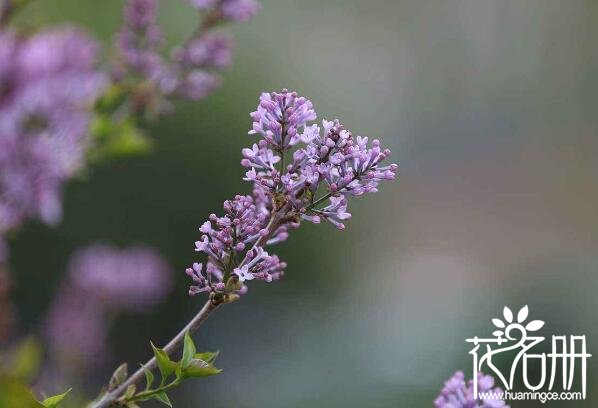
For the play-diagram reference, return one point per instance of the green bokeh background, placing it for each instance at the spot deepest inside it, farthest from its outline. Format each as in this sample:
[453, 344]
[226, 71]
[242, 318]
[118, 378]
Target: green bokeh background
[489, 106]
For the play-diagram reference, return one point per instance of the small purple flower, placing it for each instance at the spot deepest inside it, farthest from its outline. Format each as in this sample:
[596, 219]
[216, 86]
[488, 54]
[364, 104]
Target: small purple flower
[459, 394]
[332, 162]
[243, 273]
[280, 116]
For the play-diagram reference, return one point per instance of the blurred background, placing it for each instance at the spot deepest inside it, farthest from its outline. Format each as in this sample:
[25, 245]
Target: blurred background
[491, 110]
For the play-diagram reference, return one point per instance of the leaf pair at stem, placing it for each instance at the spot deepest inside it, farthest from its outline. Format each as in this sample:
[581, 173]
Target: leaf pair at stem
[191, 364]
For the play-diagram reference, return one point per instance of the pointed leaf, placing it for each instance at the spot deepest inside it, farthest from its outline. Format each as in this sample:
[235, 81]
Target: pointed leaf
[508, 315]
[118, 377]
[165, 365]
[534, 325]
[15, 394]
[498, 323]
[163, 398]
[53, 402]
[130, 392]
[199, 368]
[149, 377]
[522, 315]
[497, 333]
[188, 351]
[208, 357]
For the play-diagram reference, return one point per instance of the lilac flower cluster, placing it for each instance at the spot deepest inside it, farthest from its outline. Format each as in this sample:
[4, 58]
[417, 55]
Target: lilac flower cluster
[459, 394]
[329, 161]
[138, 43]
[192, 71]
[48, 83]
[229, 10]
[103, 280]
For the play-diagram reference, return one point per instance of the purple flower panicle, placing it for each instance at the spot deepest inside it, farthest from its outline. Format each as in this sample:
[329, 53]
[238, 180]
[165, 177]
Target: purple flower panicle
[139, 40]
[193, 70]
[293, 161]
[459, 394]
[102, 281]
[133, 278]
[48, 83]
[230, 10]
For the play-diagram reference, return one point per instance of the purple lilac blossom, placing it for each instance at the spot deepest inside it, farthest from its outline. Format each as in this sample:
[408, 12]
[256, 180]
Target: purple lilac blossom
[193, 70]
[48, 83]
[102, 281]
[231, 10]
[459, 394]
[76, 329]
[138, 44]
[133, 278]
[331, 162]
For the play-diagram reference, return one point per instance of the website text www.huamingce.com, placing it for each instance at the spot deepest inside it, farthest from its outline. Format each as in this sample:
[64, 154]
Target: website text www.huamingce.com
[531, 396]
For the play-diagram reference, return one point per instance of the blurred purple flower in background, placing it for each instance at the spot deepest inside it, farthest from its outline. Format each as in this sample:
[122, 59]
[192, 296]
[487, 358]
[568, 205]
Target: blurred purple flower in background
[48, 84]
[459, 394]
[333, 163]
[192, 71]
[231, 10]
[102, 280]
[134, 278]
[139, 40]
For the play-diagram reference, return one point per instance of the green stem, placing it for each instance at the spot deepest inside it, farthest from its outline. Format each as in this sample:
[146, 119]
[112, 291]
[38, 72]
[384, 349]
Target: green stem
[318, 201]
[149, 393]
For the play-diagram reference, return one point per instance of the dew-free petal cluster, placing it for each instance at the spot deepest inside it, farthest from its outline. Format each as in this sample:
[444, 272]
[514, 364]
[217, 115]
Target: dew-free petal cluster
[192, 70]
[138, 42]
[298, 171]
[102, 281]
[231, 10]
[133, 278]
[48, 83]
[457, 393]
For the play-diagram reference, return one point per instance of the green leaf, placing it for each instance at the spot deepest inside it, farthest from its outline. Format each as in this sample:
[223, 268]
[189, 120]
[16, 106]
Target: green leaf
[117, 139]
[53, 402]
[208, 357]
[165, 365]
[163, 398]
[15, 394]
[200, 368]
[26, 359]
[188, 351]
[118, 377]
[130, 392]
[149, 378]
